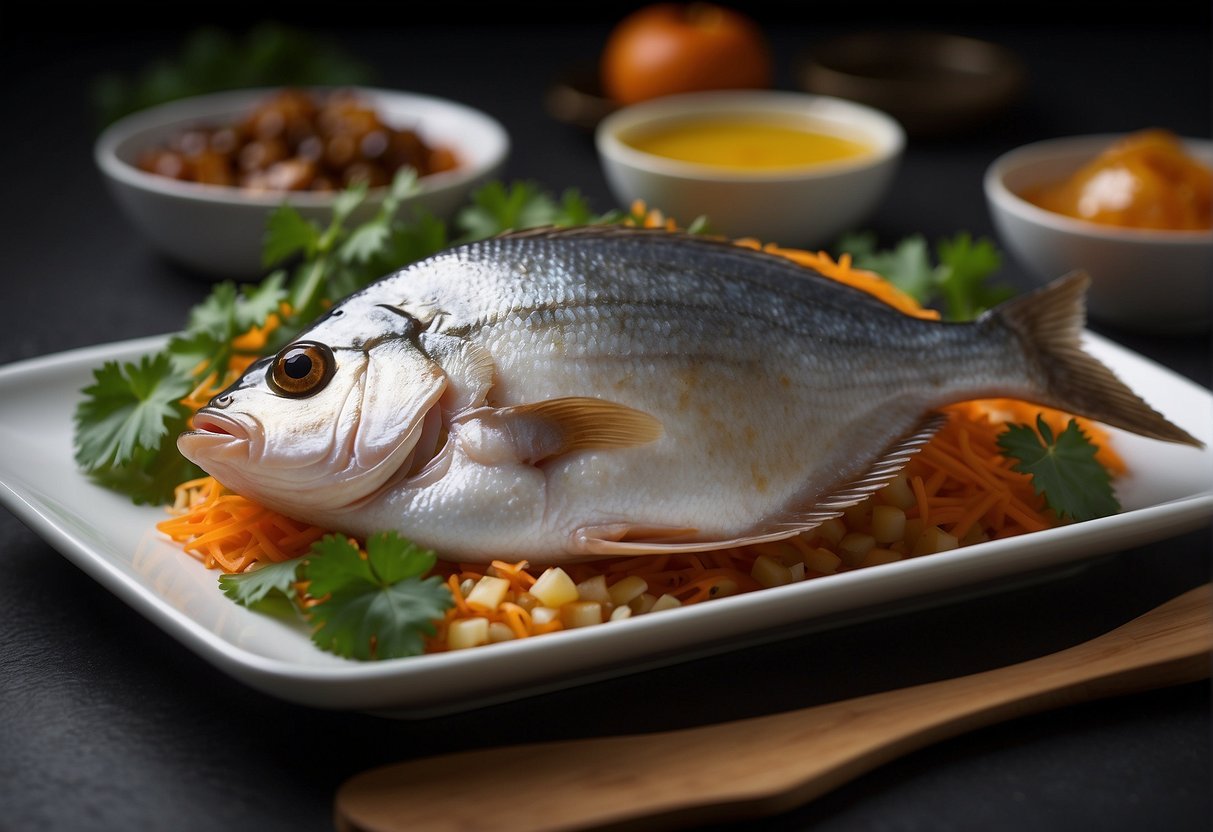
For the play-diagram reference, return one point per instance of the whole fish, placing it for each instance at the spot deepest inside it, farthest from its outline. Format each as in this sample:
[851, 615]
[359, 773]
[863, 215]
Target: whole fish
[564, 394]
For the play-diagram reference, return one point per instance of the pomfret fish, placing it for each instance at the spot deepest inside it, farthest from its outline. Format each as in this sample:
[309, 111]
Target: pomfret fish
[560, 395]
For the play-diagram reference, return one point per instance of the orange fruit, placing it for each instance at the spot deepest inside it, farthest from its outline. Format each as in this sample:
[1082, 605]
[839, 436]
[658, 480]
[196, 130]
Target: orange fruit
[669, 48]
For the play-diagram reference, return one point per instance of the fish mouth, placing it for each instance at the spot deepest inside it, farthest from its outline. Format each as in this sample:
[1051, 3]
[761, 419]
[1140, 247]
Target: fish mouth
[215, 438]
[210, 422]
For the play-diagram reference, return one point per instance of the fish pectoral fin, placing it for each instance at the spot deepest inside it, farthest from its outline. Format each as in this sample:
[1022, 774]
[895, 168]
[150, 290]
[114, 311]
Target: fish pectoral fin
[547, 429]
[832, 504]
[614, 539]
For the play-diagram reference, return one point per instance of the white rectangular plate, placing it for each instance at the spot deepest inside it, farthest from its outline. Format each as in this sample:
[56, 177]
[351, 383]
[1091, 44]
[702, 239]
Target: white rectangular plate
[1169, 491]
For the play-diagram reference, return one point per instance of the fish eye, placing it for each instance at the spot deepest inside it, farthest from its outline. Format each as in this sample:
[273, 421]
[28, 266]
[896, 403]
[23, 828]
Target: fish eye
[301, 369]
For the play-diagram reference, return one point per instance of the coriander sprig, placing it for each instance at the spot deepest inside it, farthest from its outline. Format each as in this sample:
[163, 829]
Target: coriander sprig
[363, 604]
[958, 281]
[1063, 468]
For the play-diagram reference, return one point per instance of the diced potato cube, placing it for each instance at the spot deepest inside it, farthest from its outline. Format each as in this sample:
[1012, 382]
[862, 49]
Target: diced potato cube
[822, 560]
[594, 589]
[888, 523]
[854, 546]
[527, 601]
[555, 588]
[934, 539]
[665, 602]
[781, 551]
[643, 603]
[500, 631]
[898, 493]
[832, 531]
[770, 572]
[581, 614]
[489, 592]
[544, 615]
[468, 632]
[620, 613]
[626, 590]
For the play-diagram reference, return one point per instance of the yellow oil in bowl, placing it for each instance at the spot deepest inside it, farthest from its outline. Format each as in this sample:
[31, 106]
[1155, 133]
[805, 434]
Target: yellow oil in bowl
[746, 145]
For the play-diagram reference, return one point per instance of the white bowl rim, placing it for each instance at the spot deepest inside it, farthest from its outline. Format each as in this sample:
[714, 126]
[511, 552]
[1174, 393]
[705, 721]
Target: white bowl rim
[201, 108]
[1080, 146]
[881, 128]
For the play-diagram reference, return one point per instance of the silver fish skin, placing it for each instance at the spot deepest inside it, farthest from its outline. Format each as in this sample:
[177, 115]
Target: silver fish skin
[563, 395]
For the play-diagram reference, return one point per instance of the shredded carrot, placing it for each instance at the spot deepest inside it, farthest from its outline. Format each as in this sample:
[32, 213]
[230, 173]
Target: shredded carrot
[958, 489]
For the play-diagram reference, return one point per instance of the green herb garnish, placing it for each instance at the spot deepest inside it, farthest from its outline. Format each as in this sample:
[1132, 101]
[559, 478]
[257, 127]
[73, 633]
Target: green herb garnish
[1063, 469]
[372, 605]
[957, 282]
[129, 413]
[377, 606]
[273, 583]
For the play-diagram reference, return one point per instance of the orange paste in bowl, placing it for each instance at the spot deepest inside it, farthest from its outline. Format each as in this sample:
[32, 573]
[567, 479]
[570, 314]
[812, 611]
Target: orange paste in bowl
[1145, 180]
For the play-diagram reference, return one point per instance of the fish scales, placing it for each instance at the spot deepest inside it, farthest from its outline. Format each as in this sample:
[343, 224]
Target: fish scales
[580, 393]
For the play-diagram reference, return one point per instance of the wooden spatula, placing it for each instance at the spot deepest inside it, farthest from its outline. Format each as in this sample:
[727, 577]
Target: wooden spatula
[761, 766]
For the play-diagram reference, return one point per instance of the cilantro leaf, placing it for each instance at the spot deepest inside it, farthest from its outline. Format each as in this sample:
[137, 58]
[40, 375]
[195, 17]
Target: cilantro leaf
[375, 606]
[907, 266]
[345, 204]
[127, 408]
[574, 210]
[859, 244]
[404, 184]
[287, 233]
[264, 589]
[964, 265]
[957, 283]
[1064, 469]
[368, 241]
[151, 475]
[497, 208]
[196, 354]
[216, 314]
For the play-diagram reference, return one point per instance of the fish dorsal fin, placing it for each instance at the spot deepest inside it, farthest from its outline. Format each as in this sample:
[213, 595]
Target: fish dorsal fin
[542, 430]
[621, 539]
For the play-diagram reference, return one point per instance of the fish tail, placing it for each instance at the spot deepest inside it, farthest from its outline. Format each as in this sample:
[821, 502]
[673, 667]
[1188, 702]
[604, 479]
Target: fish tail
[1049, 324]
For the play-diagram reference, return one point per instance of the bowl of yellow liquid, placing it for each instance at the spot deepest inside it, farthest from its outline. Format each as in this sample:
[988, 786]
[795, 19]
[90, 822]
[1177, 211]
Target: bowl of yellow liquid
[785, 167]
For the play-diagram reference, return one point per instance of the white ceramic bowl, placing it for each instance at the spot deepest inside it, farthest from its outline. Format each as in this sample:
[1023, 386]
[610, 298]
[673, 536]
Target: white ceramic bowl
[803, 207]
[219, 230]
[1151, 281]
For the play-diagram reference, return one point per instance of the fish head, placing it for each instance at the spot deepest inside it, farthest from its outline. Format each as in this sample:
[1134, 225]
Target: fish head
[329, 419]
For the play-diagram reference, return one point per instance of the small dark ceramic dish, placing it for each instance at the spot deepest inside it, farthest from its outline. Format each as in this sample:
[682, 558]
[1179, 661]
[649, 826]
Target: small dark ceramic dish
[935, 84]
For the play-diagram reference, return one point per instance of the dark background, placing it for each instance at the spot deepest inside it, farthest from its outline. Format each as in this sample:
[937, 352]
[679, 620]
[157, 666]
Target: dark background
[107, 723]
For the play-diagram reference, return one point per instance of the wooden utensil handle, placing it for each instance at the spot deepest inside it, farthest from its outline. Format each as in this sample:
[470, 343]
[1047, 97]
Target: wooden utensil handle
[767, 764]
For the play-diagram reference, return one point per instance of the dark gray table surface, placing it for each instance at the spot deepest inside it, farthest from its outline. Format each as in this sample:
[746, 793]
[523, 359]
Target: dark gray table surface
[108, 723]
